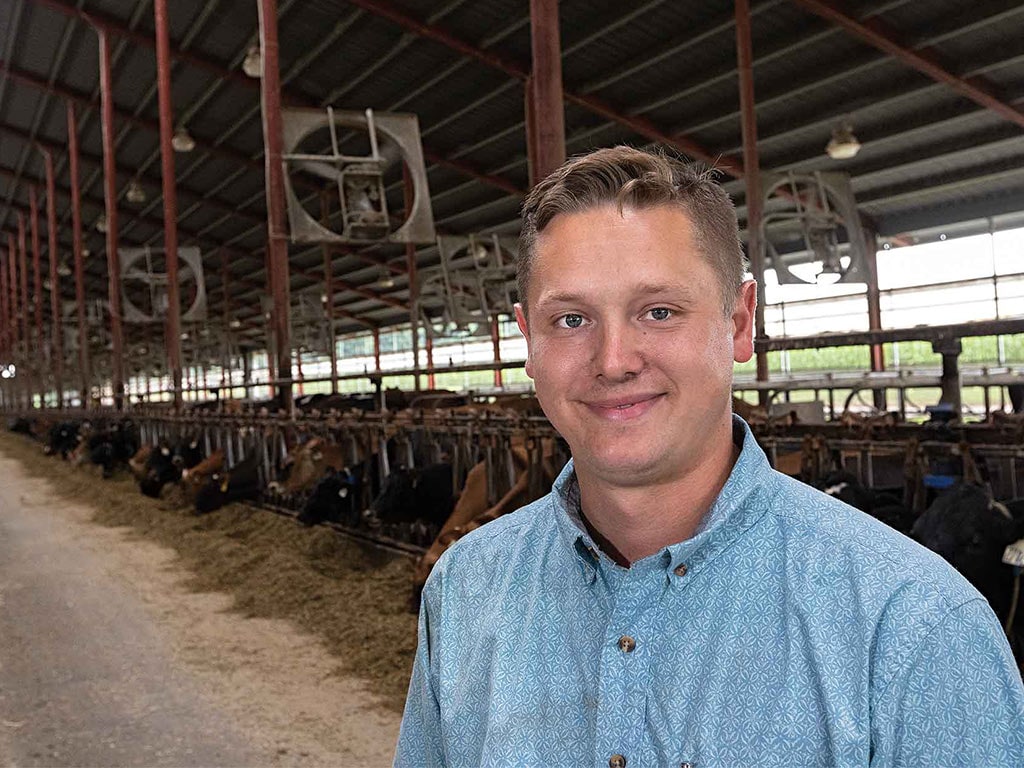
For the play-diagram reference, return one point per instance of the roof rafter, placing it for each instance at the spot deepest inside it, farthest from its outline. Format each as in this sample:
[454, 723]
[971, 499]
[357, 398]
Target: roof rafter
[928, 61]
[640, 125]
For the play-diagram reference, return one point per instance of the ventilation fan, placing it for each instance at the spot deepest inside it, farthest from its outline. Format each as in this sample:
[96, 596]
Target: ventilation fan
[144, 285]
[813, 218]
[377, 145]
[472, 284]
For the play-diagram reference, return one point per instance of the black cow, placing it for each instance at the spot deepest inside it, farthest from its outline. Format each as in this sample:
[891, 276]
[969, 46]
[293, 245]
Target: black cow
[62, 439]
[334, 499]
[879, 504]
[165, 464]
[21, 426]
[237, 483]
[414, 503]
[971, 531]
[112, 446]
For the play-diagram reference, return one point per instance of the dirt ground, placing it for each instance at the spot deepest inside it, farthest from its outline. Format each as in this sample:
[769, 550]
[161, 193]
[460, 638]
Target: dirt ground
[299, 634]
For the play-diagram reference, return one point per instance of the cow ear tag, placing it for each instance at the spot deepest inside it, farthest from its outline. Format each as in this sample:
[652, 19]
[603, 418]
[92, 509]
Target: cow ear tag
[343, 493]
[165, 451]
[317, 455]
[224, 485]
[1014, 554]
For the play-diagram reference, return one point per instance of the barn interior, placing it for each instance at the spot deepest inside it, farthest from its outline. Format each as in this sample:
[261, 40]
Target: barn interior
[258, 224]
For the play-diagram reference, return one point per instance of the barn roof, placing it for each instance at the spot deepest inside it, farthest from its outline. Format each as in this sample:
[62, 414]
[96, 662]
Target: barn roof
[933, 91]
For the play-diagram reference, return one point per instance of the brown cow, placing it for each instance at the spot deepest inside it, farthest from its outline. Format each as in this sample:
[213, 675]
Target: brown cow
[137, 463]
[471, 511]
[309, 463]
[184, 492]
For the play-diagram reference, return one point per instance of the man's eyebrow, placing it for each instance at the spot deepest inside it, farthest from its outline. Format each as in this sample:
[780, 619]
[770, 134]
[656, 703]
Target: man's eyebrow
[677, 291]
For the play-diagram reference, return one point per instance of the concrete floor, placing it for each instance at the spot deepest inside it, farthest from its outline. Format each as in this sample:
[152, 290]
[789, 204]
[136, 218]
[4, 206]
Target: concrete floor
[86, 678]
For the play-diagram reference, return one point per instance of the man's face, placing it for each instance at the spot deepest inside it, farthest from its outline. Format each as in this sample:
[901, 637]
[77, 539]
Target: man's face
[628, 346]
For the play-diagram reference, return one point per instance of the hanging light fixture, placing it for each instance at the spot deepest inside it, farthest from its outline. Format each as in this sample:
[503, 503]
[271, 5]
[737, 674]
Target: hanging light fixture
[101, 223]
[182, 140]
[252, 65]
[135, 193]
[385, 280]
[63, 269]
[843, 145]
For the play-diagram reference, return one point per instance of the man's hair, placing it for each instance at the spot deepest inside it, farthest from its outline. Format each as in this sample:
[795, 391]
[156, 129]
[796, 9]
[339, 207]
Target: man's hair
[637, 179]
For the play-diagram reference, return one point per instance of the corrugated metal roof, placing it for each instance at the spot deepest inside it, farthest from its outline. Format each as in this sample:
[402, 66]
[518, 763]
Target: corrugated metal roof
[930, 155]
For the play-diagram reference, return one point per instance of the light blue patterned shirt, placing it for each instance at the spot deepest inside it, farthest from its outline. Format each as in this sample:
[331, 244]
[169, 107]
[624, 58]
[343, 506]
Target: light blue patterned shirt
[792, 630]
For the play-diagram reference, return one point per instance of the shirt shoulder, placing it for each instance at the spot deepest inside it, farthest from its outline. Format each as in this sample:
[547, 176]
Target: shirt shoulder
[478, 559]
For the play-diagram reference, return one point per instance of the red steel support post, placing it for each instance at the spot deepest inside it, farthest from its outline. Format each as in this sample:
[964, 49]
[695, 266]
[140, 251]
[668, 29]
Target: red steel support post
[408, 197]
[110, 194]
[874, 312]
[496, 343]
[37, 277]
[12, 293]
[76, 240]
[325, 213]
[748, 109]
[277, 243]
[26, 354]
[546, 106]
[5, 315]
[376, 350]
[56, 330]
[431, 381]
[26, 337]
[172, 335]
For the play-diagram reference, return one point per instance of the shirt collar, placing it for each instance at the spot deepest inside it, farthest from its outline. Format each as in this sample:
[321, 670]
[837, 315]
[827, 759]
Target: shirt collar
[733, 512]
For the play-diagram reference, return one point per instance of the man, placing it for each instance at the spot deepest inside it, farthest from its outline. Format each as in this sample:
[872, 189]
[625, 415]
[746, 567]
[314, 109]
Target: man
[674, 601]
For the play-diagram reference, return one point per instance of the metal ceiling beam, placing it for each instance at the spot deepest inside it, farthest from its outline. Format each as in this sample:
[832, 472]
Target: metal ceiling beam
[928, 61]
[221, 71]
[598, 106]
[115, 26]
[96, 160]
[77, 97]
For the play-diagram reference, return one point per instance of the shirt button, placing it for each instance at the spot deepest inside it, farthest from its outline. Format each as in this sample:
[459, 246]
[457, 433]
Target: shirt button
[627, 644]
[687, 764]
[680, 570]
[617, 761]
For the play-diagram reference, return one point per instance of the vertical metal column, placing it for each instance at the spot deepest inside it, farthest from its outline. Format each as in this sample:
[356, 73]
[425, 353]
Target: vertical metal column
[172, 328]
[325, 214]
[5, 315]
[545, 112]
[37, 277]
[26, 337]
[496, 343]
[408, 196]
[26, 342]
[376, 350]
[431, 381]
[752, 176]
[110, 196]
[277, 243]
[56, 328]
[12, 293]
[874, 312]
[76, 241]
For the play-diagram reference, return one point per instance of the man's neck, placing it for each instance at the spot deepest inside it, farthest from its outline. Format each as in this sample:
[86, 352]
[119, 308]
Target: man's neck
[632, 523]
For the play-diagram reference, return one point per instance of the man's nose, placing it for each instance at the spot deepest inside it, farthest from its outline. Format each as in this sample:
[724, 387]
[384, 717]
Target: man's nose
[619, 354]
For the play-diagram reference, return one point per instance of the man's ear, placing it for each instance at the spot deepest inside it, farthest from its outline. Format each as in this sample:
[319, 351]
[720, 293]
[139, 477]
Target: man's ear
[524, 328]
[743, 322]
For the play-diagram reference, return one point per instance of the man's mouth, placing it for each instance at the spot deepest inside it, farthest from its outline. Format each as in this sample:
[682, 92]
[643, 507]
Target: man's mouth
[624, 407]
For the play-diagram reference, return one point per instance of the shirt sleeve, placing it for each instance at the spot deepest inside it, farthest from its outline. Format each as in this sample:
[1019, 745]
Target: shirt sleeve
[419, 739]
[958, 700]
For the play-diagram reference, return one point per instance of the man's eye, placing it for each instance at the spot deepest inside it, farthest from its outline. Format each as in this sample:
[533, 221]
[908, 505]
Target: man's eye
[660, 313]
[570, 321]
